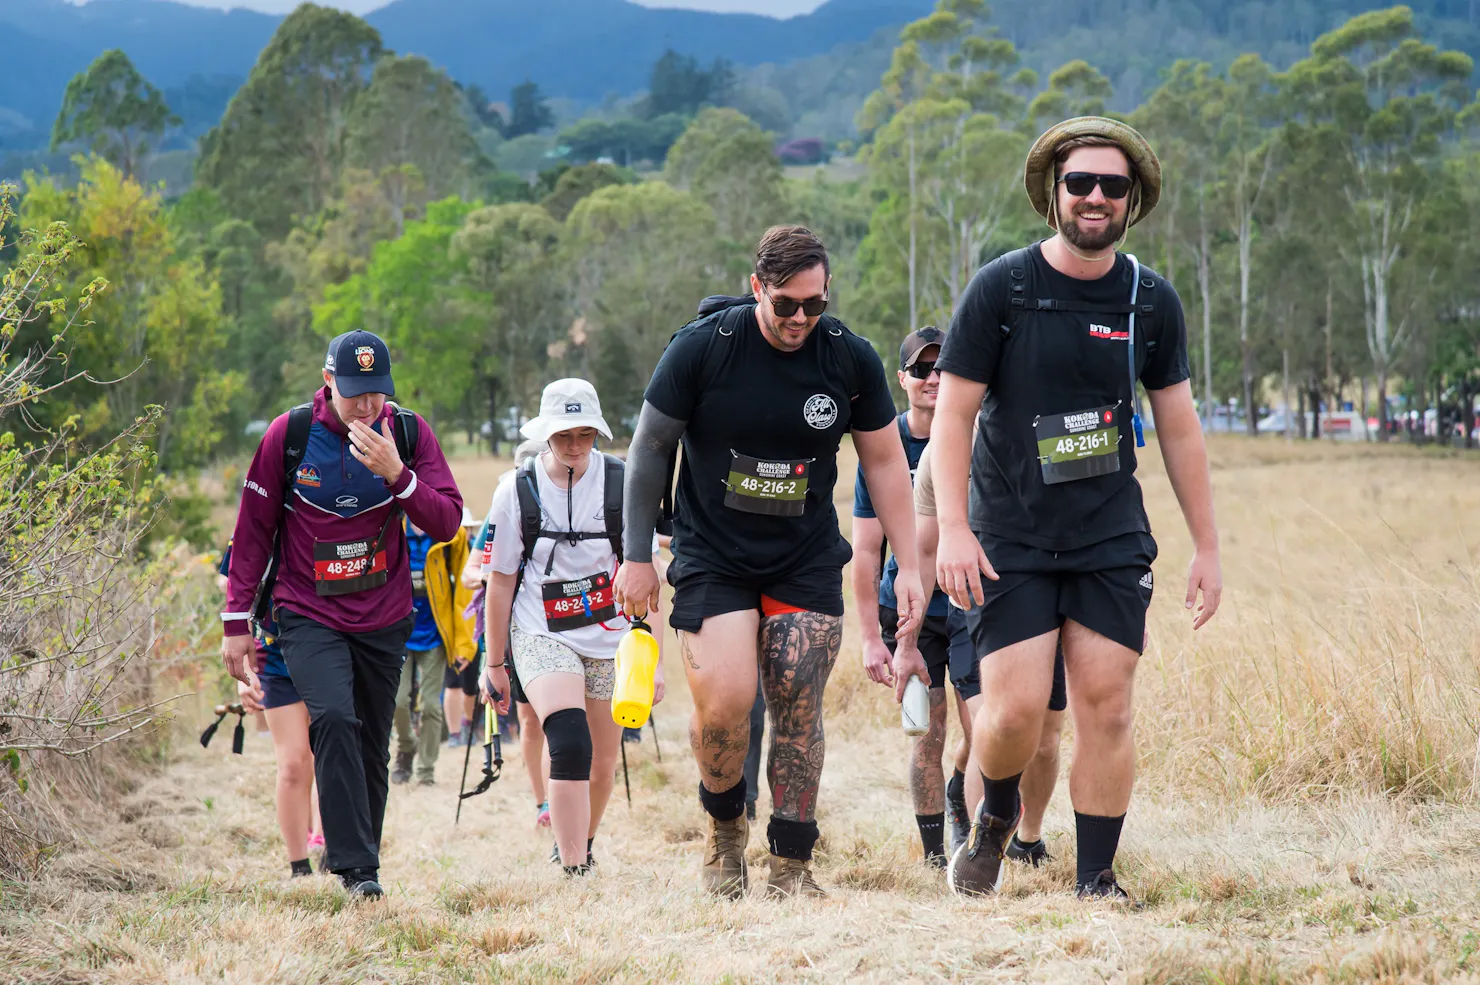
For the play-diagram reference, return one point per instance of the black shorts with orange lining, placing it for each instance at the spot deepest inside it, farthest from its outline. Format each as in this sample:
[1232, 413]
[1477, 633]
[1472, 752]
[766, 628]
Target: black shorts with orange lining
[700, 594]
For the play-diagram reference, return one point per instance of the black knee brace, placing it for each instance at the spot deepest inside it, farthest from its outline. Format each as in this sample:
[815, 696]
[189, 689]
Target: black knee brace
[569, 739]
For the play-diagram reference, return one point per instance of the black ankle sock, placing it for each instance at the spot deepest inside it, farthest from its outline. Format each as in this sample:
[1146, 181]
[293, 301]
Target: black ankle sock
[1002, 797]
[792, 839]
[1098, 839]
[724, 806]
[956, 788]
[301, 867]
[932, 833]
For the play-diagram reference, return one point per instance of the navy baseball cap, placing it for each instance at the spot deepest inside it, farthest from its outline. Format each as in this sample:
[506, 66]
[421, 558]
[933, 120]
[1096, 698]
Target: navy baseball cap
[917, 342]
[361, 364]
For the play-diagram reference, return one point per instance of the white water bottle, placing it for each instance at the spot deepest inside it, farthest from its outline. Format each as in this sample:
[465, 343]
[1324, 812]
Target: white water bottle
[914, 710]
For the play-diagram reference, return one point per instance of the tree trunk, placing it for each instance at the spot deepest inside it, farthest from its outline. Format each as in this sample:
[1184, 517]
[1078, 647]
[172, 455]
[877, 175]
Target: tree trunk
[493, 415]
[1467, 406]
[1204, 286]
[1246, 351]
[1315, 417]
[1382, 407]
[1289, 411]
[914, 295]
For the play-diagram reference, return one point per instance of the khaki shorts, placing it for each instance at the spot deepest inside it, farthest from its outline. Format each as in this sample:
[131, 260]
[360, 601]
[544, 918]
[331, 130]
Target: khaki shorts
[536, 656]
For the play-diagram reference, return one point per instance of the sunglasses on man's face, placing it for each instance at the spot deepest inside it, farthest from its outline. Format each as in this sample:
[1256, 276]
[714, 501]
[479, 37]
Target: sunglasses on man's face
[787, 307]
[1082, 183]
[922, 370]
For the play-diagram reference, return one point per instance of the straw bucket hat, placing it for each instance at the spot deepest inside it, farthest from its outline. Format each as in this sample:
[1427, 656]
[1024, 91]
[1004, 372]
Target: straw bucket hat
[1038, 177]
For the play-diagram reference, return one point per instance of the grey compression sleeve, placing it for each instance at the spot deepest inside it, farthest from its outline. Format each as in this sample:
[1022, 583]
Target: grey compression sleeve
[647, 474]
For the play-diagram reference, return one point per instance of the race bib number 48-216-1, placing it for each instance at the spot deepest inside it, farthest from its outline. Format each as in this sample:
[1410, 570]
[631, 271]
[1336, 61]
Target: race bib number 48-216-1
[771, 488]
[347, 566]
[1078, 445]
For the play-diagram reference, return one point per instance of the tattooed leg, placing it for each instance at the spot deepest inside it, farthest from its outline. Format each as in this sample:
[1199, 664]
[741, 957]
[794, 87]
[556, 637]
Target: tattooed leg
[720, 663]
[927, 779]
[798, 650]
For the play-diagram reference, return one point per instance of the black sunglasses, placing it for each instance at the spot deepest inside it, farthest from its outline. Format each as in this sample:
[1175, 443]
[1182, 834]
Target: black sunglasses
[1081, 183]
[921, 370]
[787, 307]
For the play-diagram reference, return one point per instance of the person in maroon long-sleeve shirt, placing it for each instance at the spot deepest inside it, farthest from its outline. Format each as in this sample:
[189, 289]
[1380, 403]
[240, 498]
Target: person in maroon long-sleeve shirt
[342, 598]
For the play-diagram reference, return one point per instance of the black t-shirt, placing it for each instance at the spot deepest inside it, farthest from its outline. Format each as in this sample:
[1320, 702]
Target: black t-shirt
[1051, 364]
[764, 423]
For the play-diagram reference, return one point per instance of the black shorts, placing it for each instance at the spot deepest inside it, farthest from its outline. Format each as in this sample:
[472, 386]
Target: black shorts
[466, 679]
[1105, 587]
[946, 648]
[699, 594]
[278, 691]
[516, 690]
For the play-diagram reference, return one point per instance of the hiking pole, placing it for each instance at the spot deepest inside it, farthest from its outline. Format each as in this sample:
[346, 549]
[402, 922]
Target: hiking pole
[463, 786]
[654, 723]
[493, 760]
[626, 780]
[238, 737]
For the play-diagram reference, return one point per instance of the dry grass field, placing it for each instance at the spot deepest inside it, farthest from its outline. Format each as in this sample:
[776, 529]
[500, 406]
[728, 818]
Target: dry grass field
[1305, 810]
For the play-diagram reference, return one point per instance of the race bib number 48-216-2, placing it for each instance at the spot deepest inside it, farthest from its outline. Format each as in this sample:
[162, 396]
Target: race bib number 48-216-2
[770, 488]
[347, 566]
[1078, 445]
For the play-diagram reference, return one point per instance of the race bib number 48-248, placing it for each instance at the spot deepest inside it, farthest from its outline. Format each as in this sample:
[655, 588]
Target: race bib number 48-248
[340, 568]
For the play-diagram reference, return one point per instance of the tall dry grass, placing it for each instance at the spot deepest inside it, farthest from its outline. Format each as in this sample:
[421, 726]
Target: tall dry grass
[1346, 655]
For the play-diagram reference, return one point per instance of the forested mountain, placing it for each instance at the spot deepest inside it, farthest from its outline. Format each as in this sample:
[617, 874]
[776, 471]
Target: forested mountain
[822, 64]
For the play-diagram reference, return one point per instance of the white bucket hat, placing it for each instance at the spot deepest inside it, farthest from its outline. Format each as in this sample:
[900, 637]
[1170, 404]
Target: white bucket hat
[564, 406]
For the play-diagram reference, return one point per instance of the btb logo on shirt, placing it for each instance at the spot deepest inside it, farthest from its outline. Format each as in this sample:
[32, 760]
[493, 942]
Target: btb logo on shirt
[820, 411]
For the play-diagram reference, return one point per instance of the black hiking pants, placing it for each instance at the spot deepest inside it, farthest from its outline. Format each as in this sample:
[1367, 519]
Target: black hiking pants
[348, 681]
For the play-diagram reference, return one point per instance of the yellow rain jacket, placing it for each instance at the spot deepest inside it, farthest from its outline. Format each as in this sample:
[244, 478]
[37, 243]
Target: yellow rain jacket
[449, 598]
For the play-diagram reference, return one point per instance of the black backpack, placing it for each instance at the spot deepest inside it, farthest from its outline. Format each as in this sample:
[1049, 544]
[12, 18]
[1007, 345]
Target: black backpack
[406, 430]
[531, 515]
[714, 351]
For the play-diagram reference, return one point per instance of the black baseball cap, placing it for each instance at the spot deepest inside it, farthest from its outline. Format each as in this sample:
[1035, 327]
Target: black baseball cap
[916, 342]
[361, 364]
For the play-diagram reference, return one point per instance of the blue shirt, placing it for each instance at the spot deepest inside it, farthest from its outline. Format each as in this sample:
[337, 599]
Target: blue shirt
[424, 635]
[273, 664]
[863, 506]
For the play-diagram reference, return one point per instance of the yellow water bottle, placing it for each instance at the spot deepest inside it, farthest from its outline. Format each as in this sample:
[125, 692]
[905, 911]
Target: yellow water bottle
[637, 670]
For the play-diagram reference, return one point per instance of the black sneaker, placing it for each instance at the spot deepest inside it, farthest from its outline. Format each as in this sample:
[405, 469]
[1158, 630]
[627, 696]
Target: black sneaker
[1104, 887]
[976, 867]
[750, 810]
[402, 772]
[577, 870]
[1034, 854]
[960, 817]
[554, 853]
[362, 884]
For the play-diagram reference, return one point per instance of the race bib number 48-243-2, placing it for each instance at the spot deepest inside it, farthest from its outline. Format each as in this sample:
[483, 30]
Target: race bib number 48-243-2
[578, 603]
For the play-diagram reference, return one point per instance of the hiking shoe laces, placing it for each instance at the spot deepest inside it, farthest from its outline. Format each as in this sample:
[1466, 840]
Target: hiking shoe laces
[976, 867]
[792, 877]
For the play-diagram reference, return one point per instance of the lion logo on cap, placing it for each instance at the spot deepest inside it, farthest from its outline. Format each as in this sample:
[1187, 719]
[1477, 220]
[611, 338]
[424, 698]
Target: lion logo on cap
[365, 356]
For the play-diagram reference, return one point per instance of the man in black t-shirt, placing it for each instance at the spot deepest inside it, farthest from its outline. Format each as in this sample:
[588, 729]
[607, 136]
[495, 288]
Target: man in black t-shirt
[1046, 347]
[761, 392]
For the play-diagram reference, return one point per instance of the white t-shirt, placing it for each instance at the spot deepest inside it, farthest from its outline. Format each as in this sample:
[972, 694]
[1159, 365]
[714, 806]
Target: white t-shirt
[577, 588]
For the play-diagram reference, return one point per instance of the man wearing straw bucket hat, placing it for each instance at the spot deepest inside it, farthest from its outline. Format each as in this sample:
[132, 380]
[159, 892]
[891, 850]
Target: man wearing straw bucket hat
[1047, 347]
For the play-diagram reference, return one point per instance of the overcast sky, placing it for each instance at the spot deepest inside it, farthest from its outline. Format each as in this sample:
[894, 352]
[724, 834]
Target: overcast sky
[778, 8]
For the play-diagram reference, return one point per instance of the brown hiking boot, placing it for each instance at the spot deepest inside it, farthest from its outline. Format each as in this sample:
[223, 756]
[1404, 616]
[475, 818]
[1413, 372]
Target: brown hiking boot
[725, 872]
[792, 877]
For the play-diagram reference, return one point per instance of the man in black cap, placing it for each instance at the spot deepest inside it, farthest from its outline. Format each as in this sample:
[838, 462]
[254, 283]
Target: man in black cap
[890, 657]
[1048, 349]
[320, 544]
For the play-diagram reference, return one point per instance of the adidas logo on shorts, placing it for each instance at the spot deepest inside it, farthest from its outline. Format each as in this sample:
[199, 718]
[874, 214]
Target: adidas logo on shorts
[1146, 581]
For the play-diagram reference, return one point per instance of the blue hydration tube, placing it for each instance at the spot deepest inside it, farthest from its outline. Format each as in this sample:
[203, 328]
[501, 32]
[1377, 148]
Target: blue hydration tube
[1130, 349]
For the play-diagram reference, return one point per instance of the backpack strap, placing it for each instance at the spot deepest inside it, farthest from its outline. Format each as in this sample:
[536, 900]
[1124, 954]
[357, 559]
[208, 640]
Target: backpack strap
[852, 373]
[406, 429]
[612, 502]
[529, 509]
[295, 443]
